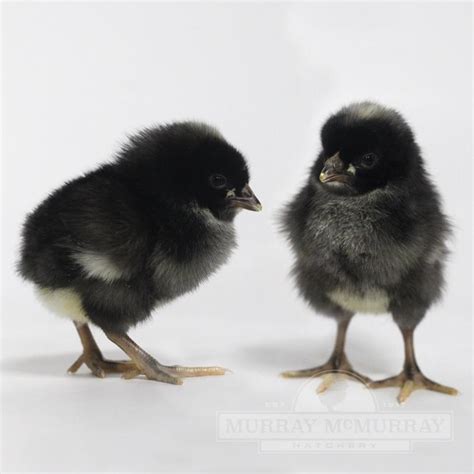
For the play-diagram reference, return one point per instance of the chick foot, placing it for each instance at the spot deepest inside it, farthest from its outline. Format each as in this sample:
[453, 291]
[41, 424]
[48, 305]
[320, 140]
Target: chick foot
[100, 366]
[92, 356]
[336, 366]
[409, 381]
[148, 366]
[411, 378]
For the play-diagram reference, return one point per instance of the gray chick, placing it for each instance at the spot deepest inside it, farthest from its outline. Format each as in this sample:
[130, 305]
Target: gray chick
[369, 236]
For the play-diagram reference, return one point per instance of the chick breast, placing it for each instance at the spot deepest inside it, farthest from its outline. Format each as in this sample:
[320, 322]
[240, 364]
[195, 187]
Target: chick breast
[358, 255]
[174, 275]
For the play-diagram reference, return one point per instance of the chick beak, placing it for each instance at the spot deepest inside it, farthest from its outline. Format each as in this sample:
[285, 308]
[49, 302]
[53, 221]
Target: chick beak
[246, 199]
[334, 170]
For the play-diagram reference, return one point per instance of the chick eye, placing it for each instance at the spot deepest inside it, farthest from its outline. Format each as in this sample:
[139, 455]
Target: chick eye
[218, 181]
[368, 160]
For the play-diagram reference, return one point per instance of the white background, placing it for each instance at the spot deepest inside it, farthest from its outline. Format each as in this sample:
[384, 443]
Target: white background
[79, 77]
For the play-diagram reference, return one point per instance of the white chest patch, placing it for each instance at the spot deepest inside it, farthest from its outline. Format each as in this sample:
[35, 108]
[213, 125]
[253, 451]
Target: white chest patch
[64, 302]
[98, 266]
[372, 301]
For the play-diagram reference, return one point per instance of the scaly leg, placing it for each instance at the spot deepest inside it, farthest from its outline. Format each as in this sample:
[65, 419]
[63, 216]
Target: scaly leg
[336, 365]
[411, 378]
[92, 356]
[152, 369]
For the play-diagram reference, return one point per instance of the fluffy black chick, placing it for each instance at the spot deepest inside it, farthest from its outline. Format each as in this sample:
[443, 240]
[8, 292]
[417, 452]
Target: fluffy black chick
[112, 245]
[368, 235]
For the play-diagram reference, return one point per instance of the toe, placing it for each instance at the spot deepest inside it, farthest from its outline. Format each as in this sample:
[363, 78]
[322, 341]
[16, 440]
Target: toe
[171, 380]
[407, 388]
[196, 371]
[288, 374]
[327, 381]
[390, 382]
[117, 367]
[75, 367]
[162, 376]
[130, 374]
[98, 372]
[315, 372]
[436, 387]
[355, 376]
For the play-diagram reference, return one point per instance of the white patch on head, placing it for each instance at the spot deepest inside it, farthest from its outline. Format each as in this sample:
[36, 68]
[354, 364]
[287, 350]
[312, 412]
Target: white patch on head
[98, 266]
[64, 302]
[367, 110]
[372, 301]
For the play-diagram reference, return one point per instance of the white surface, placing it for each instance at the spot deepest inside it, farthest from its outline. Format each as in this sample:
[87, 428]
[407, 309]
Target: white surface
[77, 77]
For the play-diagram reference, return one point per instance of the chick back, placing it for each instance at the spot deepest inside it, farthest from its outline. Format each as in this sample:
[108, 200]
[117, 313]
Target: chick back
[91, 215]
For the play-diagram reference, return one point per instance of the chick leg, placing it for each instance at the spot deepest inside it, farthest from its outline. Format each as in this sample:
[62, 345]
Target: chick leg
[411, 378]
[144, 362]
[337, 364]
[92, 357]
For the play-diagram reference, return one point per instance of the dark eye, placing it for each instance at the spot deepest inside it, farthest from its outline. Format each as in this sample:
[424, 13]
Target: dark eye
[218, 181]
[369, 160]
